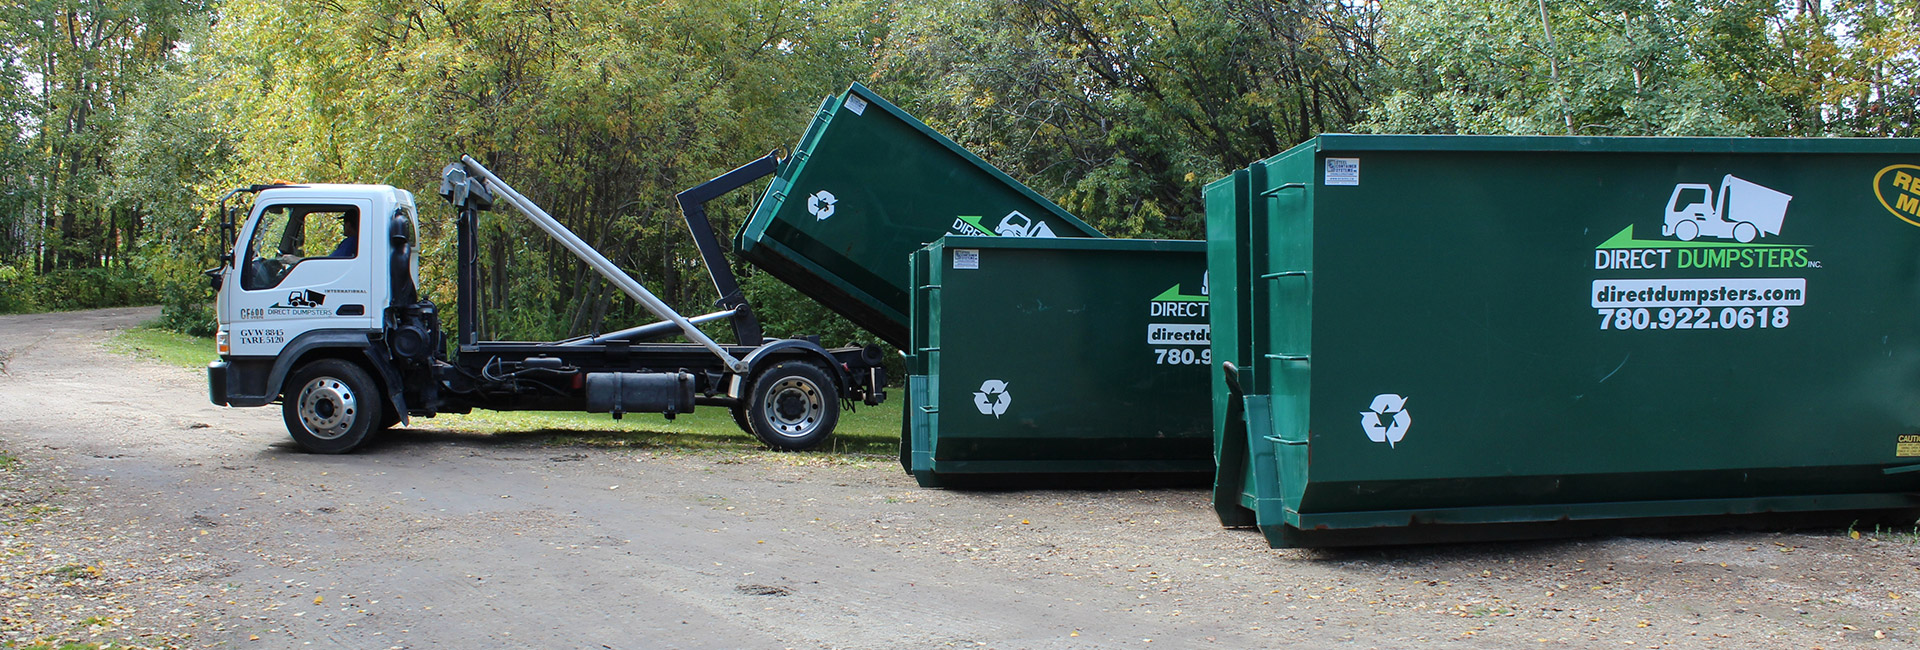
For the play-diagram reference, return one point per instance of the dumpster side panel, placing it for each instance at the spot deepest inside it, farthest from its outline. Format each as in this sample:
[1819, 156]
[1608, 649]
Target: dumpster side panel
[1503, 335]
[1291, 187]
[1069, 356]
[869, 186]
[913, 454]
[1228, 205]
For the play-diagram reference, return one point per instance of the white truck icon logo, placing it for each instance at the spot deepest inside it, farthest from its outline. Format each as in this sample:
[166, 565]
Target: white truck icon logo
[1744, 211]
[1020, 225]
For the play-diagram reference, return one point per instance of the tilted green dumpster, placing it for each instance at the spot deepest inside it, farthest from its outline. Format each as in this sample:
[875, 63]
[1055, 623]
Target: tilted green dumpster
[866, 187]
[1474, 337]
[1057, 357]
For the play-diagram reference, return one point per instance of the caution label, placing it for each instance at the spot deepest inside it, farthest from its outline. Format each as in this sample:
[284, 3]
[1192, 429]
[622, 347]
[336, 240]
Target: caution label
[1908, 446]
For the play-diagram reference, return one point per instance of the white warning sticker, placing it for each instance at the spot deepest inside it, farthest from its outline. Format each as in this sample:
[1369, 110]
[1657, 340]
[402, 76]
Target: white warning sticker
[857, 105]
[966, 258]
[1343, 171]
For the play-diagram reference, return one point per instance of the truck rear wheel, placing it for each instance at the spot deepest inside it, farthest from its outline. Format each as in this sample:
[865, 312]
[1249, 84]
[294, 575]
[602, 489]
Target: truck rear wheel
[740, 417]
[793, 406]
[330, 406]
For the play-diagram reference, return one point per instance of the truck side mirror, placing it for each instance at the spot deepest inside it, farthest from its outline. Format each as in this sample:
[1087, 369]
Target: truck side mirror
[399, 230]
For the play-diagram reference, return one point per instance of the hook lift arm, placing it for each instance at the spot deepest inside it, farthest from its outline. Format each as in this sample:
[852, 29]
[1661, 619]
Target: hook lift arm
[586, 253]
[693, 207]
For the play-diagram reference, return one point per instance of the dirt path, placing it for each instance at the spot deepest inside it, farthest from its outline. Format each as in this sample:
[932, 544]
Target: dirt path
[203, 527]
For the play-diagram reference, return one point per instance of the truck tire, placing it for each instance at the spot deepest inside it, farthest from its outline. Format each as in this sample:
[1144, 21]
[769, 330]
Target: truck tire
[740, 417]
[792, 406]
[1744, 232]
[331, 406]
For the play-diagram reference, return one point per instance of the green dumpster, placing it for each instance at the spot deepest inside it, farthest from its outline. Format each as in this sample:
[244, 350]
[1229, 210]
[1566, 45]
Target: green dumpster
[1428, 338]
[866, 187]
[1055, 357]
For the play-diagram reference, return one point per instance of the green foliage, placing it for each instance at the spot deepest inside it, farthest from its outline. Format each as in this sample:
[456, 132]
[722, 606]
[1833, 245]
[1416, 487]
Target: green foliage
[798, 315]
[130, 117]
[1121, 111]
[1641, 67]
[784, 312]
[70, 65]
[166, 161]
[599, 111]
[69, 289]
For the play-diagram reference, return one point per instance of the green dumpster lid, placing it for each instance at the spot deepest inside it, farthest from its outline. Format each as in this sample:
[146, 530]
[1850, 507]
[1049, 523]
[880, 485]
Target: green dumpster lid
[867, 185]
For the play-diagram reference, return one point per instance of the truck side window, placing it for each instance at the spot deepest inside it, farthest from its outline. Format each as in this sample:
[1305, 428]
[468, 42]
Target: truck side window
[1686, 198]
[288, 234]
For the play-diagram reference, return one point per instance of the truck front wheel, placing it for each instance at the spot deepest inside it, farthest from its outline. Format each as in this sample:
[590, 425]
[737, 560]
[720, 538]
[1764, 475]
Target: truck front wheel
[331, 406]
[793, 406]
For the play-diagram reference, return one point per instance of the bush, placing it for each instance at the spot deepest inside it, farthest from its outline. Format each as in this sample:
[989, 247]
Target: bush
[785, 312]
[186, 299]
[69, 289]
[190, 318]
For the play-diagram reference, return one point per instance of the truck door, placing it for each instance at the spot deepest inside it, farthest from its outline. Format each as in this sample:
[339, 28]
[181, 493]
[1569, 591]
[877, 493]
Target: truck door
[305, 267]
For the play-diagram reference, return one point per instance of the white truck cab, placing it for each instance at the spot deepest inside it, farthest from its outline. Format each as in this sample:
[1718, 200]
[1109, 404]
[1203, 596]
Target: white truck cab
[306, 260]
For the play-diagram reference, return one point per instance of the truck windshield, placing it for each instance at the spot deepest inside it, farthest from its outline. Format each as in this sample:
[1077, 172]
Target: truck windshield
[288, 234]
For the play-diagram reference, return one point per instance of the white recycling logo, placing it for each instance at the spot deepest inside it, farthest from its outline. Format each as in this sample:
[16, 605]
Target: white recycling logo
[992, 398]
[820, 204]
[1387, 420]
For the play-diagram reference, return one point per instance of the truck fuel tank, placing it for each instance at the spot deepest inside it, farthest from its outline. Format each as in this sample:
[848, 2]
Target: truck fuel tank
[620, 393]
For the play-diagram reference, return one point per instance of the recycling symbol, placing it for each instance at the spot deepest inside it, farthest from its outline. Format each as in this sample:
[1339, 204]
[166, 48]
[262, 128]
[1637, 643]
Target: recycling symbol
[1387, 421]
[992, 399]
[820, 204]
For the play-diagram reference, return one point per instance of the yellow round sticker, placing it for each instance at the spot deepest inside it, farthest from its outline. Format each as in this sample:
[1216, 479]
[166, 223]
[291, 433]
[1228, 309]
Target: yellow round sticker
[1902, 184]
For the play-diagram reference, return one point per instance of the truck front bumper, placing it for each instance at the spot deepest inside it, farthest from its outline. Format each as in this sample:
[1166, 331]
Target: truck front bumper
[217, 382]
[240, 381]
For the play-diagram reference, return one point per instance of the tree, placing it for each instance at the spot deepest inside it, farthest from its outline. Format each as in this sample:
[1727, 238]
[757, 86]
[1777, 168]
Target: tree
[1120, 110]
[598, 110]
[70, 65]
[1643, 67]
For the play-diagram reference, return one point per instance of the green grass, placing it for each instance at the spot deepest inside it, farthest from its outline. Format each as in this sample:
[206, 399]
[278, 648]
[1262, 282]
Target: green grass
[1898, 534]
[76, 571]
[165, 346]
[868, 431]
[8, 462]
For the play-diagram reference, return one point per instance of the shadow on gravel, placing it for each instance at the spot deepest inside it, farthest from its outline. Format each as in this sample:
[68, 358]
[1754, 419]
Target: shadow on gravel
[1692, 531]
[401, 440]
[990, 483]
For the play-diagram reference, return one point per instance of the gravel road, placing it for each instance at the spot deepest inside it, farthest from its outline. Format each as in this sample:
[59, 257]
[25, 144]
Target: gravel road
[139, 511]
